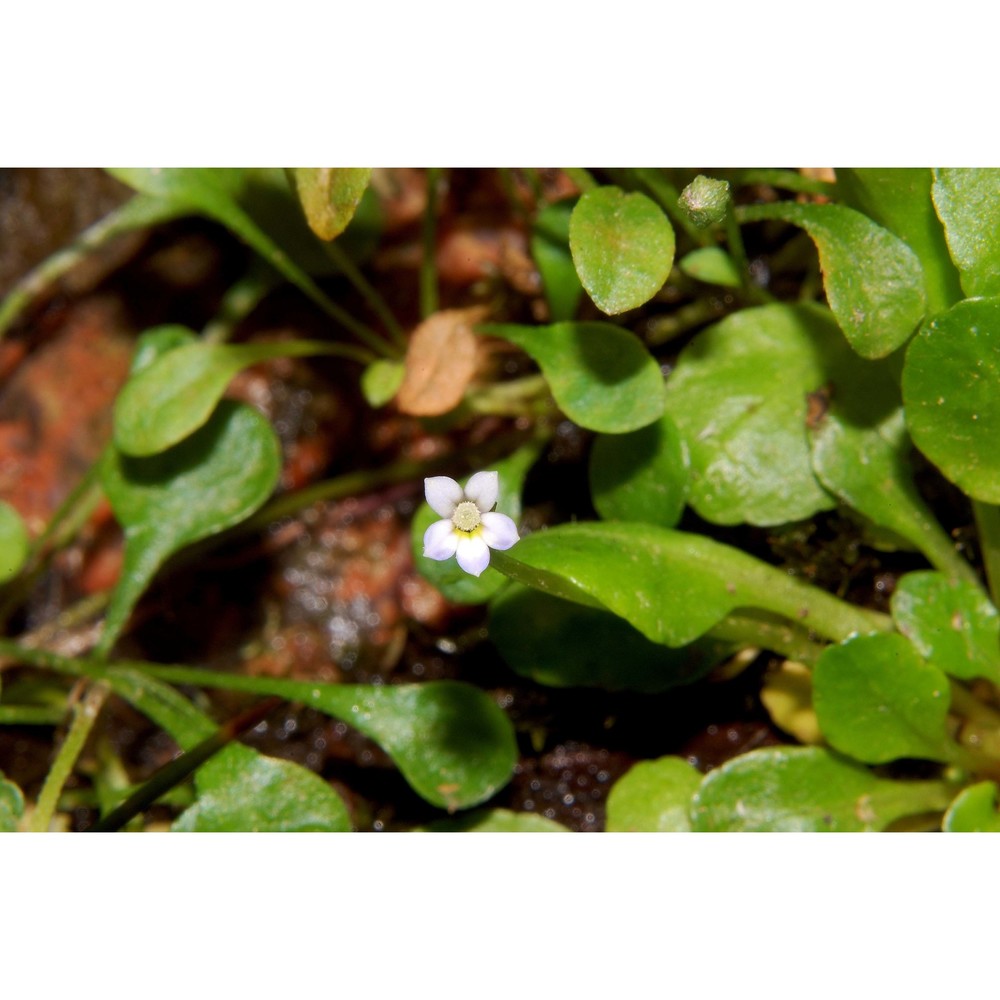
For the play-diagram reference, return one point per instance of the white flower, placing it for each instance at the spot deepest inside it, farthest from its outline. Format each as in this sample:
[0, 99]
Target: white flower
[470, 527]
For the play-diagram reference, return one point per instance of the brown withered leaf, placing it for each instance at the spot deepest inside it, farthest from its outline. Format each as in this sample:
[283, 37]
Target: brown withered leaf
[440, 362]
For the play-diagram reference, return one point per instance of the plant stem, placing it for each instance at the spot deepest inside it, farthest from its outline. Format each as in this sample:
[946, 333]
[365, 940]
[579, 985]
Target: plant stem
[367, 291]
[660, 329]
[777, 635]
[30, 715]
[240, 300]
[515, 398]
[668, 196]
[428, 260]
[85, 714]
[988, 526]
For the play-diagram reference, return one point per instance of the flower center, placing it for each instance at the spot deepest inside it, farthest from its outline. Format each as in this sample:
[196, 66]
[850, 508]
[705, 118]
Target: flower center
[466, 516]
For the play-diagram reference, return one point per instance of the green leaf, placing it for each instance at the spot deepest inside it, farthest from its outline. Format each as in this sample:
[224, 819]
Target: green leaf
[711, 265]
[861, 452]
[653, 797]
[562, 644]
[550, 250]
[739, 396]
[623, 247]
[949, 390]
[11, 805]
[157, 341]
[381, 380]
[900, 200]
[878, 701]
[951, 623]
[641, 476]
[974, 810]
[330, 196]
[13, 542]
[495, 821]
[194, 186]
[806, 789]
[175, 394]
[968, 204]
[672, 586]
[210, 481]
[241, 791]
[601, 376]
[873, 280]
[457, 585]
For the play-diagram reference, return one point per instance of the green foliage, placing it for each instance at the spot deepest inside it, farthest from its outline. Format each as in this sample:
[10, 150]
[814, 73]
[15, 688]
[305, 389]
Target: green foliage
[211, 481]
[330, 196]
[949, 389]
[738, 395]
[878, 700]
[951, 623]
[495, 821]
[11, 805]
[968, 203]
[600, 375]
[622, 246]
[873, 280]
[974, 810]
[13, 542]
[806, 789]
[653, 797]
[381, 380]
[550, 249]
[711, 265]
[706, 200]
[641, 476]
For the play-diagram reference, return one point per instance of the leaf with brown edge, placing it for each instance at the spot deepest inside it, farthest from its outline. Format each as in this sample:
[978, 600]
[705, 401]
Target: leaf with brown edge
[440, 362]
[330, 196]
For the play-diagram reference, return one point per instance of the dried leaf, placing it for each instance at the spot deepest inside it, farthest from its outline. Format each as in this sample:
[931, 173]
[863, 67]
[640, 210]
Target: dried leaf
[440, 362]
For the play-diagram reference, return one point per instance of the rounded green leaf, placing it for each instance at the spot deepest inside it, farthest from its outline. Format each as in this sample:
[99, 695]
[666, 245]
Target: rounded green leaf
[873, 280]
[13, 542]
[175, 393]
[806, 789]
[11, 805]
[623, 247]
[495, 821]
[950, 384]
[878, 700]
[210, 481]
[711, 265]
[550, 250]
[951, 623]
[653, 797]
[968, 204]
[381, 380]
[241, 791]
[739, 396]
[974, 810]
[159, 340]
[197, 186]
[562, 644]
[330, 196]
[641, 476]
[601, 376]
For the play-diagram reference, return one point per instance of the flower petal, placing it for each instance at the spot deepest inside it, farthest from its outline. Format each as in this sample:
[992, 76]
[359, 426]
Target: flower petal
[443, 494]
[499, 531]
[473, 554]
[440, 540]
[483, 489]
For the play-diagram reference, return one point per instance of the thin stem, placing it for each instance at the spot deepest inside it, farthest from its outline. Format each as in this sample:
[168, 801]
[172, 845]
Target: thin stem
[31, 715]
[367, 291]
[428, 260]
[966, 704]
[85, 714]
[668, 196]
[668, 326]
[988, 526]
[240, 300]
[775, 634]
[515, 398]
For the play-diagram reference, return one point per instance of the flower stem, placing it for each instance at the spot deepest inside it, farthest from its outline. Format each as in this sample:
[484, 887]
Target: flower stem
[368, 292]
[988, 525]
[428, 260]
[240, 299]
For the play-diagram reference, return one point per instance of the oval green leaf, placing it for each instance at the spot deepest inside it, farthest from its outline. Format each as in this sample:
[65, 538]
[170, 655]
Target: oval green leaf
[951, 623]
[550, 250]
[806, 790]
[877, 700]
[873, 280]
[950, 384]
[653, 797]
[711, 265]
[968, 204]
[974, 810]
[622, 246]
[13, 542]
[11, 805]
[495, 821]
[381, 380]
[739, 396]
[641, 476]
[601, 376]
[159, 340]
[562, 644]
[210, 481]
[330, 196]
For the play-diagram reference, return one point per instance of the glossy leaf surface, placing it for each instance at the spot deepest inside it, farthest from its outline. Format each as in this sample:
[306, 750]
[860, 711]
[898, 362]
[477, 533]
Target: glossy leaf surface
[330, 196]
[622, 246]
[873, 280]
[13, 542]
[562, 644]
[642, 475]
[711, 265]
[968, 203]
[210, 481]
[601, 376]
[806, 789]
[951, 623]
[974, 810]
[550, 250]
[950, 384]
[654, 796]
[878, 701]
[739, 396]
[495, 821]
